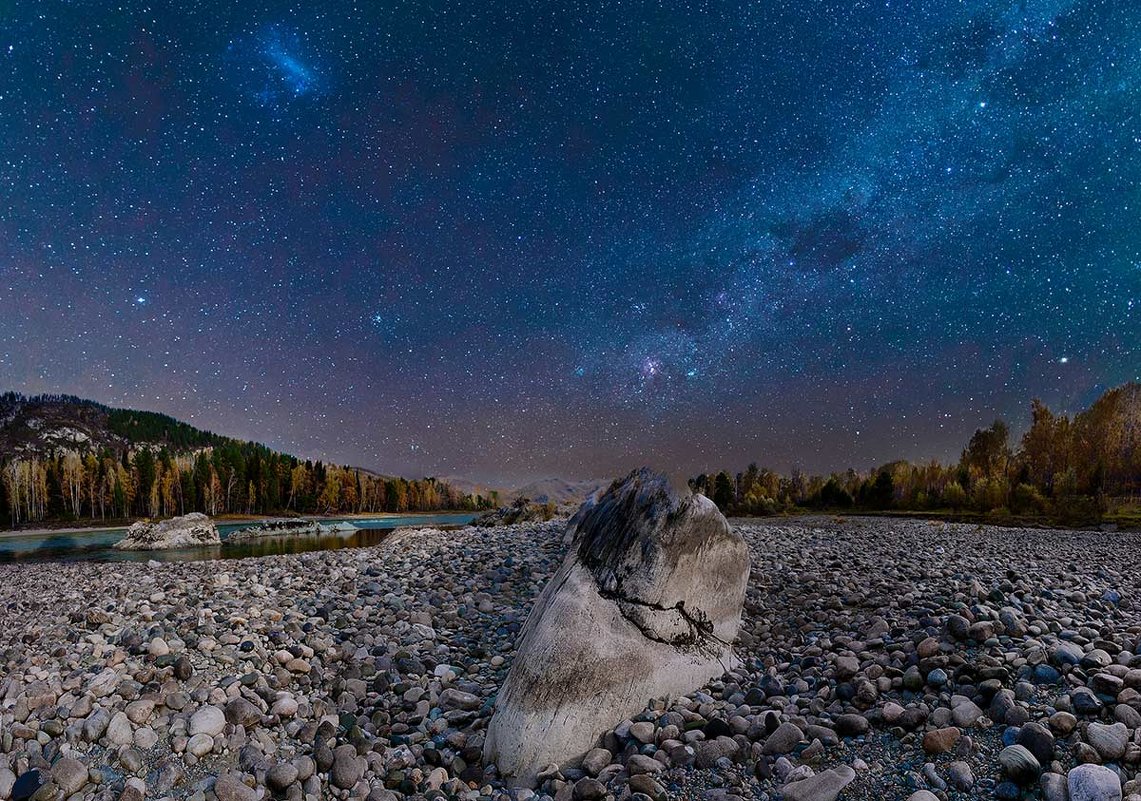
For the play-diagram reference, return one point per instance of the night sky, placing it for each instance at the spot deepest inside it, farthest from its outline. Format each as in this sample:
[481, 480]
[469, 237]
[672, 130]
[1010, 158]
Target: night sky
[523, 239]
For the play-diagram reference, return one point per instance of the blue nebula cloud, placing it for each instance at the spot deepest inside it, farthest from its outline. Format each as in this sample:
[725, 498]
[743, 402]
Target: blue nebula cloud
[273, 67]
[292, 73]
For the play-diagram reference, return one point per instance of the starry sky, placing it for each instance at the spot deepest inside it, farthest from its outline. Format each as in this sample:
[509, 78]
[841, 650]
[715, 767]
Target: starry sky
[514, 240]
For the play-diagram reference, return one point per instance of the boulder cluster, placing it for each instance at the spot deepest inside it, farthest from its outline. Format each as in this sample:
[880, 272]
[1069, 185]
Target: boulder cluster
[289, 527]
[188, 531]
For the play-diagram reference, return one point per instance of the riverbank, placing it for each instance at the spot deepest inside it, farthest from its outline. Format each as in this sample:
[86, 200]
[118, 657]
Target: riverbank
[1127, 518]
[894, 654]
[220, 520]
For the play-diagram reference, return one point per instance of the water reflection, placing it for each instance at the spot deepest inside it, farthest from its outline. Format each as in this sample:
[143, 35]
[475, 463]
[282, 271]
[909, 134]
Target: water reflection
[98, 545]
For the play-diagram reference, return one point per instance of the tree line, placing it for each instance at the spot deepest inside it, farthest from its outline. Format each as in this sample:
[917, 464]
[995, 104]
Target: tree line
[227, 477]
[1070, 469]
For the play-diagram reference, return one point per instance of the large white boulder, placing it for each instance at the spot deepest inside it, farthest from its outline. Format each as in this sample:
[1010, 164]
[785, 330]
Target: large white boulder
[189, 531]
[646, 605]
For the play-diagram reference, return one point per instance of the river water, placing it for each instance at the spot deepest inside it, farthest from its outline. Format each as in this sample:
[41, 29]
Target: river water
[97, 545]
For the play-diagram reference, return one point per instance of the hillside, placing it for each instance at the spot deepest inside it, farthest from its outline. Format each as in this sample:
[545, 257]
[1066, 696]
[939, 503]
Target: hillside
[64, 458]
[50, 425]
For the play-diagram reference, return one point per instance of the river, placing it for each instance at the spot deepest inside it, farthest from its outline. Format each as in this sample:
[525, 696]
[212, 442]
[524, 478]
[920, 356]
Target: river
[98, 545]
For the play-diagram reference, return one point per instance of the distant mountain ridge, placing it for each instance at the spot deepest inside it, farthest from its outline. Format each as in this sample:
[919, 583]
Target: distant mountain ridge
[560, 491]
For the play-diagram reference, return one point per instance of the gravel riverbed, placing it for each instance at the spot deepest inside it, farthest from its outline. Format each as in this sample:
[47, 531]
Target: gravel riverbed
[878, 658]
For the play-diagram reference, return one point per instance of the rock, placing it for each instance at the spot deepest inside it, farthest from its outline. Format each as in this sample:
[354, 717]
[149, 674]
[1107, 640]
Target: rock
[230, 787]
[960, 776]
[134, 790]
[642, 607]
[932, 777]
[640, 763]
[940, 741]
[646, 784]
[851, 725]
[1053, 787]
[194, 530]
[1127, 715]
[1106, 684]
[455, 699]
[7, 779]
[846, 667]
[1001, 705]
[1093, 783]
[95, 725]
[200, 744]
[240, 712]
[27, 784]
[595, 760]
[589, 790]
[643, 731]
[966, 714]
[208, 720]
[348, 768]
[69, 774]
[709, 751]
[1019, 764]
[824, 786]
[183, 669]
[892, 712]
[105, 683]
[923, 795]
[1084, 701]
[1063, 723]
[119, 731]
[284, 707]
[958, 626]
[1065, 653]
[1108, 740]
[1038, 740]
[981, 630]
[937, 678]
[1096, 659]
[782, 741]
[139, 712]
[280, 776]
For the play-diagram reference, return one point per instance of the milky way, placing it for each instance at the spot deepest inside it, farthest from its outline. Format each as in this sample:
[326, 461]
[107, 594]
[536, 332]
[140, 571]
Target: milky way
[565, 239]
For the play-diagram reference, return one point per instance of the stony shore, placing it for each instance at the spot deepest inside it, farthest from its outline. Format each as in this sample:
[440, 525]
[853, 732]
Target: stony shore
[883, 657]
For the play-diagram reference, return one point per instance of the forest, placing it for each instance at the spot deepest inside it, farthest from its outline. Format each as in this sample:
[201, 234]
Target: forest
[1071, 470]
[156, 466]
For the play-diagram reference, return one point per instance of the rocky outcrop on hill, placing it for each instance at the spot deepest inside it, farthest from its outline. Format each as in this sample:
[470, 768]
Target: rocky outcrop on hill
[522, 510]
[646, 605]
[189, 531]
